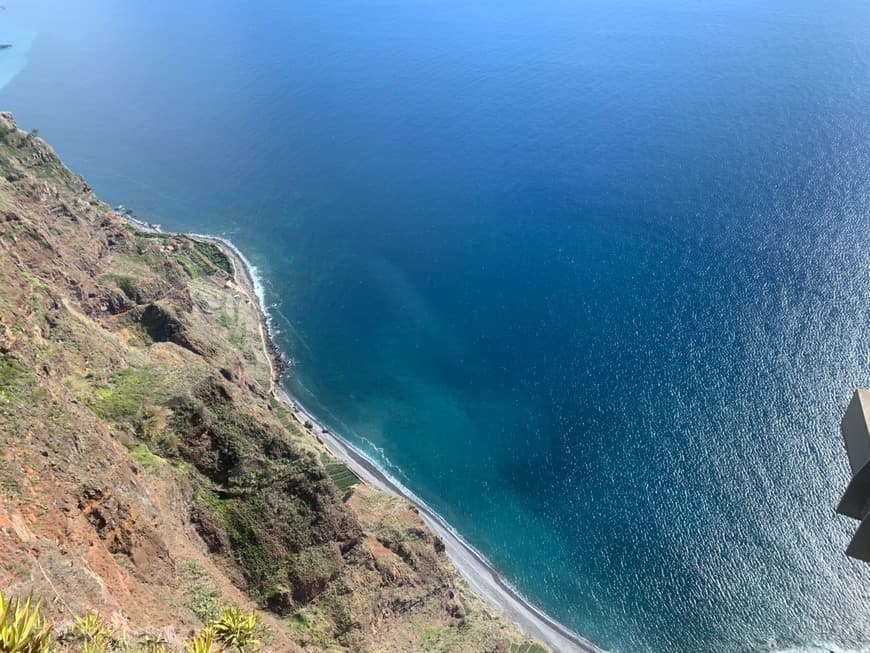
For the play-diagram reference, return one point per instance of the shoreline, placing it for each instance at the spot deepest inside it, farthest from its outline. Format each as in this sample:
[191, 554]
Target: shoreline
[470, 564]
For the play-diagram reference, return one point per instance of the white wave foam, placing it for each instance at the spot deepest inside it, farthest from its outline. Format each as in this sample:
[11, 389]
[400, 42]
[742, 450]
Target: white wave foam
[821, 648]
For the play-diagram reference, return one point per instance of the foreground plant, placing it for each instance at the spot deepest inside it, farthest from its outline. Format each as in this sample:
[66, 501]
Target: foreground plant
[202, 643]
[93, 647]
[237, 629]
[22, 627]
[93, 630]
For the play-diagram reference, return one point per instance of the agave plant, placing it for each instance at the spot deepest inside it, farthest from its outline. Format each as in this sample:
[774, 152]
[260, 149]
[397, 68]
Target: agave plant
[91, 646]
[202, 643]
[23, 629]
[92, 630]
[237, 629]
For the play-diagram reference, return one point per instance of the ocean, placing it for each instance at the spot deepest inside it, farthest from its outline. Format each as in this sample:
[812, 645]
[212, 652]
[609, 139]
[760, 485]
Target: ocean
[592, 279]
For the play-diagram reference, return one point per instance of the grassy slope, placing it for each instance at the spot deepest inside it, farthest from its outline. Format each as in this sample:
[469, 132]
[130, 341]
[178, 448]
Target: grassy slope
[147, 473]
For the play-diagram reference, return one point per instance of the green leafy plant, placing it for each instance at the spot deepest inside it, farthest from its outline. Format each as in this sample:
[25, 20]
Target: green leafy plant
[202, 643]
[22, 627]
[92, 630]
[94, 647]
[237, 629]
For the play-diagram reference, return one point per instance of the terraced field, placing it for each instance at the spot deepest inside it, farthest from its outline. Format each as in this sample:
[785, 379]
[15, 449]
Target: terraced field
[340, 473]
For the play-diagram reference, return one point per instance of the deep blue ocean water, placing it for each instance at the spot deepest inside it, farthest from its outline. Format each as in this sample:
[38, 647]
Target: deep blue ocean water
[590, 278]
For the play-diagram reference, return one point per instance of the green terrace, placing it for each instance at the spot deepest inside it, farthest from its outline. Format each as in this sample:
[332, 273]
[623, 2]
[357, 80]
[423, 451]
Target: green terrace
[340, 473]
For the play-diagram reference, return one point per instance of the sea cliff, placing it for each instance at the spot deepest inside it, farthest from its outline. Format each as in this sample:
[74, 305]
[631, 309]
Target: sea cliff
[150, 473]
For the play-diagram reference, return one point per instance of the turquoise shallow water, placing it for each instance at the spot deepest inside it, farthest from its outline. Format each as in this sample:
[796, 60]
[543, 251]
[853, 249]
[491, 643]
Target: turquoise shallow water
[591, 280]
[13, 60]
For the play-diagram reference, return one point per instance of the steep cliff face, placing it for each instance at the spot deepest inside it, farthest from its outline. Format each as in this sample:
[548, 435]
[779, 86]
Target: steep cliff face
[148, 473]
